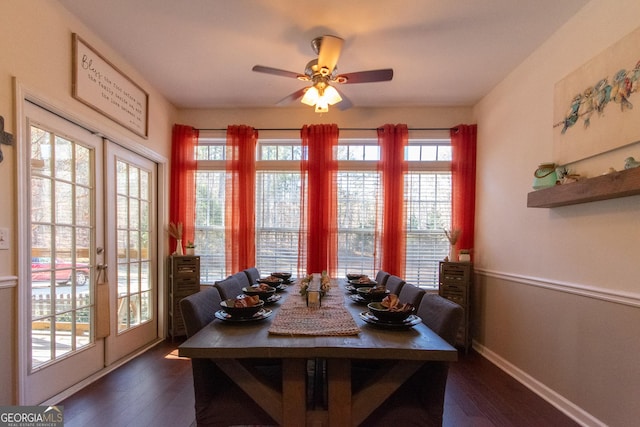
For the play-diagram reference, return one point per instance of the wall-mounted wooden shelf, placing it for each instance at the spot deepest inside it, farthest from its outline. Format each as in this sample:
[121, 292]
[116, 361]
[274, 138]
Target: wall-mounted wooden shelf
[618, 184]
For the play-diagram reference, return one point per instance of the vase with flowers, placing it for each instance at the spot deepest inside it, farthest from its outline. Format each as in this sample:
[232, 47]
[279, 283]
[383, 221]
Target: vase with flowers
[452, 236]
[175, 231]
[190, 248]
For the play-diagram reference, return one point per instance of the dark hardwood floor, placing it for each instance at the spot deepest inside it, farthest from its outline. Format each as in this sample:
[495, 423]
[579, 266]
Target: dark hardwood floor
[155, 389]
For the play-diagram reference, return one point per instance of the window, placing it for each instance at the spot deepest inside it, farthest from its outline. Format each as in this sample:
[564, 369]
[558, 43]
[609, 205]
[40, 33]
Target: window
[427, 205]
[210, 184]
[428, 208]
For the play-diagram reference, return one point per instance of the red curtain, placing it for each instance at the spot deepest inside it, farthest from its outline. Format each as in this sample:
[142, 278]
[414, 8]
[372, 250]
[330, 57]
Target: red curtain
[463, 183]
[318, 227]
[182, 201]
[240, 191]
[392, 140]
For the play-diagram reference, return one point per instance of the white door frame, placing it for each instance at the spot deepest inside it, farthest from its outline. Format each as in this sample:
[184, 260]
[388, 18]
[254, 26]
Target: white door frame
[23, 94]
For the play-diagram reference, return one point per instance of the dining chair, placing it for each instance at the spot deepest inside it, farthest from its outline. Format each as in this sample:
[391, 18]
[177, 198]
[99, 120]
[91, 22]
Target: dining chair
[394, 284]
[253, 274]
[381, 277]
[420, 400]
[229, 288]
[411, 294]
[242, 278]
[441, 315]
[198, 310]
[218, 400]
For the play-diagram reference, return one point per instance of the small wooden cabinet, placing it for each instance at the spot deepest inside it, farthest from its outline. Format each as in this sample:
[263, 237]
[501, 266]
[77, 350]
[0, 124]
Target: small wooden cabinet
[184, 280]
[455, 282]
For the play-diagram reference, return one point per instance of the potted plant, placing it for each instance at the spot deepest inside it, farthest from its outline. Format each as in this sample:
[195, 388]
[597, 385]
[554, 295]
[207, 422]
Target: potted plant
[464, 255]
[190, 248]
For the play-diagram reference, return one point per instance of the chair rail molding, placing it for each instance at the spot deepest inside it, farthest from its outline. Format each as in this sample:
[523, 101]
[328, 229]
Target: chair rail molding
[8, 282]
[618, 297]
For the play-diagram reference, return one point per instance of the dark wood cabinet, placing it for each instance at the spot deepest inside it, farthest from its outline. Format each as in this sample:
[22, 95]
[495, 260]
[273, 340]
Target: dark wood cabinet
[184, 280]
[455, 285]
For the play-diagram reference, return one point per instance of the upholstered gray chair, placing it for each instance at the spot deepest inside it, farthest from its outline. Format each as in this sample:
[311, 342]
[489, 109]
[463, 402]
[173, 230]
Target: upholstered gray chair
[381, 277]
[394, 284]
[253, 274]
[218, 400]
[411, 294]
[229, 288]
[242, 278]
[441, 315]
[420, 400]
[198, 310]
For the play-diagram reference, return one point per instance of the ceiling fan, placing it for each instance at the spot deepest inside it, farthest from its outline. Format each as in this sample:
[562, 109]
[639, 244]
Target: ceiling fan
[321, 72]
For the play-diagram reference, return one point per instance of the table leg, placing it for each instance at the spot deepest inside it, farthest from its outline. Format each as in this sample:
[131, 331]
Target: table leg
[294, 392]
[339, 393]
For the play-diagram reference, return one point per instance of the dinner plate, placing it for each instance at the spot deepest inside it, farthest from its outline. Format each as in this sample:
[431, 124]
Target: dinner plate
[351, 289]
[409, 322]
[262, 314]
[358, 299]
[281, 287]
[273, 298]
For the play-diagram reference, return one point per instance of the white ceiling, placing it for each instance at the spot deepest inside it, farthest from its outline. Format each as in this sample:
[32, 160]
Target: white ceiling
[199, 53]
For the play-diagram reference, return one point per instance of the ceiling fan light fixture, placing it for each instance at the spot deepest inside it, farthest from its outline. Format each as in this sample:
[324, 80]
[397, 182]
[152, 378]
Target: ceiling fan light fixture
[322, 108]
[331, 95]
[311, 96]
[324, 70]
[321, 97]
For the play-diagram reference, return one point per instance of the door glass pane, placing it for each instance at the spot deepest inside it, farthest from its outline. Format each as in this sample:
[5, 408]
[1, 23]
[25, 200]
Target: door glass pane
[63, 159]
[61, 236]
[132, 223]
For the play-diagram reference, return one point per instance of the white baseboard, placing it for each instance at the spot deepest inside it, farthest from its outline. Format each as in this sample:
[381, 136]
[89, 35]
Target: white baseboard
[558, 401]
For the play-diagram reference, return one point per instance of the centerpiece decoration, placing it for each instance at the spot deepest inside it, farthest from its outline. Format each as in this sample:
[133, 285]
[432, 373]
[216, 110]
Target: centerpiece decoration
[314, 287]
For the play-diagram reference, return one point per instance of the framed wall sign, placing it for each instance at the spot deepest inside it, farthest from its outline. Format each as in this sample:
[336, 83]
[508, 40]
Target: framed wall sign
[100, 85]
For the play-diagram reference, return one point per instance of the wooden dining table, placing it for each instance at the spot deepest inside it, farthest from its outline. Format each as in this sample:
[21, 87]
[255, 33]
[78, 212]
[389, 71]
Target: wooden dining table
[408, 349]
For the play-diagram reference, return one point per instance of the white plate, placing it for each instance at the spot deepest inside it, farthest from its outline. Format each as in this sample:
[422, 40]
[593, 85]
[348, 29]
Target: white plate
[260, 315]
[409, 322]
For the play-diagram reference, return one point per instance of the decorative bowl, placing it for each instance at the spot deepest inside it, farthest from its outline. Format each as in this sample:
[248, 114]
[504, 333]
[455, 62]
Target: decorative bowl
[230, 307]
[373, 294]
[386, 315]
[263, 292]
[363, 281]
[282, 275]
[271, 280]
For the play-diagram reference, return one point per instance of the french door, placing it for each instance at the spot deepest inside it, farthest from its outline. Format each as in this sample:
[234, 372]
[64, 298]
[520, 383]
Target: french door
[91, 212]
[131, 201]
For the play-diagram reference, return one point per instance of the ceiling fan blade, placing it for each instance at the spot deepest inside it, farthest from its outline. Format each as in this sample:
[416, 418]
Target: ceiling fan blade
[345, 104]
[279, 72]
[366, 76]
[292, 97]
[329, 52]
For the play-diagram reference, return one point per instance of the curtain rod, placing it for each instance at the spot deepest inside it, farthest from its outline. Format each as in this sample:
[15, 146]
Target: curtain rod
[297, 129]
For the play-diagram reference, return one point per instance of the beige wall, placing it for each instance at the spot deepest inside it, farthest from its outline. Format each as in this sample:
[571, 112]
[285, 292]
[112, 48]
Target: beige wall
[35, 41]
[558, 289]
[353, 118]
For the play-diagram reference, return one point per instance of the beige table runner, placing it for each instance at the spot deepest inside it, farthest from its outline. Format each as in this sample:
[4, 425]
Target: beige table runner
[330, 319]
